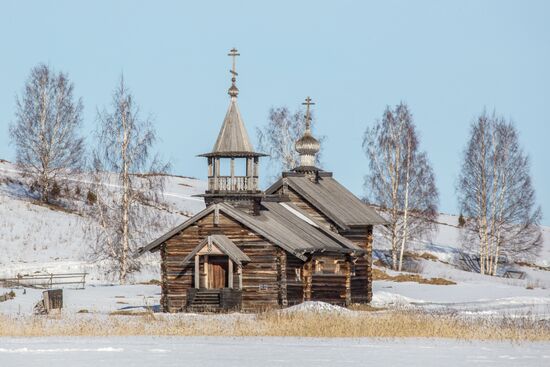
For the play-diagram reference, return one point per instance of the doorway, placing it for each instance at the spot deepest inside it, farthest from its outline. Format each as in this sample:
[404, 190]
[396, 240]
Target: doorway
[217, 272]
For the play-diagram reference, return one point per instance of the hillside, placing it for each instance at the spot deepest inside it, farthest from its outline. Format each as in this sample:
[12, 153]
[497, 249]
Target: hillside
[38, 238]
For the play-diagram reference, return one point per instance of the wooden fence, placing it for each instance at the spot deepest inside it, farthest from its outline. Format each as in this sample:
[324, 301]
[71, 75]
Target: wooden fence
[46, 281]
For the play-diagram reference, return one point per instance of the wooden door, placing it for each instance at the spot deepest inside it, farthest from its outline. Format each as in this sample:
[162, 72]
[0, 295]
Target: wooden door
[217, 272]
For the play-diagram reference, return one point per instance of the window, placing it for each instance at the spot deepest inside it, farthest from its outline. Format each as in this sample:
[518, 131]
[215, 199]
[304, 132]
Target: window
[329, 266]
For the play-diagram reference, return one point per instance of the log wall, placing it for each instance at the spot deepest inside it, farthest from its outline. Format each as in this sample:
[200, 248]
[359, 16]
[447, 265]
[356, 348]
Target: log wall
[361, 282]
[330, 287]
[259, 277]
[294, 280]
[361, 278]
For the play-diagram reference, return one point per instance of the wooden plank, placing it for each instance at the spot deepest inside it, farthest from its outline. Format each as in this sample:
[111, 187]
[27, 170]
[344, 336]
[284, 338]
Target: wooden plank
[230, 273]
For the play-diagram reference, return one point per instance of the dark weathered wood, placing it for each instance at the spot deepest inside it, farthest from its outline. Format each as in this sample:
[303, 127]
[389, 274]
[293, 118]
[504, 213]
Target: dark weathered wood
[260, 285]
[294, 280]
[282, 277]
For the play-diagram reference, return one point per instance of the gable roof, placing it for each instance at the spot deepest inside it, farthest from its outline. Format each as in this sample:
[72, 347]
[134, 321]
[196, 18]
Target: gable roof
[224, 244]
[332, 199]
[278, 225]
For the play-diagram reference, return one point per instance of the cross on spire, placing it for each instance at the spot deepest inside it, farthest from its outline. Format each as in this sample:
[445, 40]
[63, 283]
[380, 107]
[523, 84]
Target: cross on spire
[234, 53]
[309, 102]
[233, 90]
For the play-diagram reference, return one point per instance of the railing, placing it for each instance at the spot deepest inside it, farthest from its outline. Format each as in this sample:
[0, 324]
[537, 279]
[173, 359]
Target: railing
[46, 281]
[233, 183]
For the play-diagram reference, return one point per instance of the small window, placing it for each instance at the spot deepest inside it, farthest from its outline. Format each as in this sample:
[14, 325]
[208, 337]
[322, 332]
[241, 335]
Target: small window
[329, 266]
[319, 266]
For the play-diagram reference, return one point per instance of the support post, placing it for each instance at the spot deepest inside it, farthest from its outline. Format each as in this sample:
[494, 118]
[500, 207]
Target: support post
[256, 173]
[206, 284]
[369, 264]
[216, 170]
[240, 274]
[233, 183]
[197, 272]
[230, 271]
[348, 280]
[307, 279]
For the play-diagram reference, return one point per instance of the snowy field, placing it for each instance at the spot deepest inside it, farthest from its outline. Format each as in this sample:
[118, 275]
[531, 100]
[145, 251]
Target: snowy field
[269, 351]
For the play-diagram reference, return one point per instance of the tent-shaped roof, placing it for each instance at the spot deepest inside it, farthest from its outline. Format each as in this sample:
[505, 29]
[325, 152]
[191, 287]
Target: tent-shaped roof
[233, 140]
[222, 243]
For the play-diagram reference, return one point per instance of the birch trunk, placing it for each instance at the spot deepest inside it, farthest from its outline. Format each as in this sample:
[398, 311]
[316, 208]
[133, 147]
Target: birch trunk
[406, 205]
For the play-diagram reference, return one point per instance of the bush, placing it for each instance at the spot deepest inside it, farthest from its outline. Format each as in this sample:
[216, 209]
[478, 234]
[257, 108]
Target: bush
[55, 191]
[91, 197]
[461, 221]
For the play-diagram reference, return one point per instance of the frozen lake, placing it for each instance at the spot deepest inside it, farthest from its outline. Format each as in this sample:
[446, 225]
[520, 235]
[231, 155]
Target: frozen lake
[267, 351]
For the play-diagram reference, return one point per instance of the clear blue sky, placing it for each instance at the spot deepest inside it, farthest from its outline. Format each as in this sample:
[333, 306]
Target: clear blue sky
[447, 59]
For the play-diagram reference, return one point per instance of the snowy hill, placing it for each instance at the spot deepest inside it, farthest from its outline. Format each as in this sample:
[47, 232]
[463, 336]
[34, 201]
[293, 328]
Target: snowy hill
[37, 238]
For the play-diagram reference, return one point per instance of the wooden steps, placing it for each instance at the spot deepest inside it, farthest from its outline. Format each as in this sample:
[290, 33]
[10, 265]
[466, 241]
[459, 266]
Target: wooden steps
[205, 300]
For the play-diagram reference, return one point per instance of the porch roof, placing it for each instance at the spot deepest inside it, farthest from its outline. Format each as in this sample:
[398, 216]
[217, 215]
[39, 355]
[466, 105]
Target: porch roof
[224, 244]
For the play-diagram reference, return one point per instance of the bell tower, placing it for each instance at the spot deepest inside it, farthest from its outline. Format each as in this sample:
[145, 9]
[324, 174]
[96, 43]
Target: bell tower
[233, 165]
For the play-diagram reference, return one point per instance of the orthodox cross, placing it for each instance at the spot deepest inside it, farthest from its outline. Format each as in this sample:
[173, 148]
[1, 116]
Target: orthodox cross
[234, 53]
[308, 103]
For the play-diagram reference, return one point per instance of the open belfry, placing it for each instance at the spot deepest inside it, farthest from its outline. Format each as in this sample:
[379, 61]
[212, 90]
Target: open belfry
[305, 238]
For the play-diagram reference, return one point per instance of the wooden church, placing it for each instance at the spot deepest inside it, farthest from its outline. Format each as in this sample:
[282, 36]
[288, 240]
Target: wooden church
[305, 238]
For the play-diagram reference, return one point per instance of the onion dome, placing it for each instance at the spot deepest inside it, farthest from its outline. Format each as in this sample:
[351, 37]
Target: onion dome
[307, 146]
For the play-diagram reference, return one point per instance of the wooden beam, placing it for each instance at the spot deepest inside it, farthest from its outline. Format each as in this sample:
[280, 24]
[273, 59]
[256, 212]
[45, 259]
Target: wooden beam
[281, 269]
[240, 273]
[197, 272]
[206, 284]
[230, 270]
[307, 279]
[348, 280]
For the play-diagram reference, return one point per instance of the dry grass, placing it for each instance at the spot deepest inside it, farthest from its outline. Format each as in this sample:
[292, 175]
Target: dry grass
[378, 274]
[356, 324]
[428, 256]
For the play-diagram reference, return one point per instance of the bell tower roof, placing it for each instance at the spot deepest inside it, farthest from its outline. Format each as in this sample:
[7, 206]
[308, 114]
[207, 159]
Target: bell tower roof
[233, 140]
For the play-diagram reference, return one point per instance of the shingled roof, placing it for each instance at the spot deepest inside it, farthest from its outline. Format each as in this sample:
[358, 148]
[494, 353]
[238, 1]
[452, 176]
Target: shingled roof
[332, 199]
[281, 224]
[233, 140]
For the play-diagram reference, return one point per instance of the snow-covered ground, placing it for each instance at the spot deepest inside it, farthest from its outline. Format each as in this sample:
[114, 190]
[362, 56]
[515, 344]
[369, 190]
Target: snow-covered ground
[34, 238]
[268, 351]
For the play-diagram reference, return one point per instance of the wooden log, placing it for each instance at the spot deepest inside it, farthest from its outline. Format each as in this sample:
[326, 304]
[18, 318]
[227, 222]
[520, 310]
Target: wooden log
[348, 281]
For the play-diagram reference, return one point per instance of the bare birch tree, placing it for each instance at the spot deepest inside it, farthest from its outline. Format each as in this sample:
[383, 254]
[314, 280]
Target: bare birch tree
[128, 183]
[496, 195]
[278, 137]
[45, 131]
[400, 180]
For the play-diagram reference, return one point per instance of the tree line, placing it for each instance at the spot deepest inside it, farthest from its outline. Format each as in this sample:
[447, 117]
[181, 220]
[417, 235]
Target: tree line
[499, 214]
[499, 217]
[126, 177]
